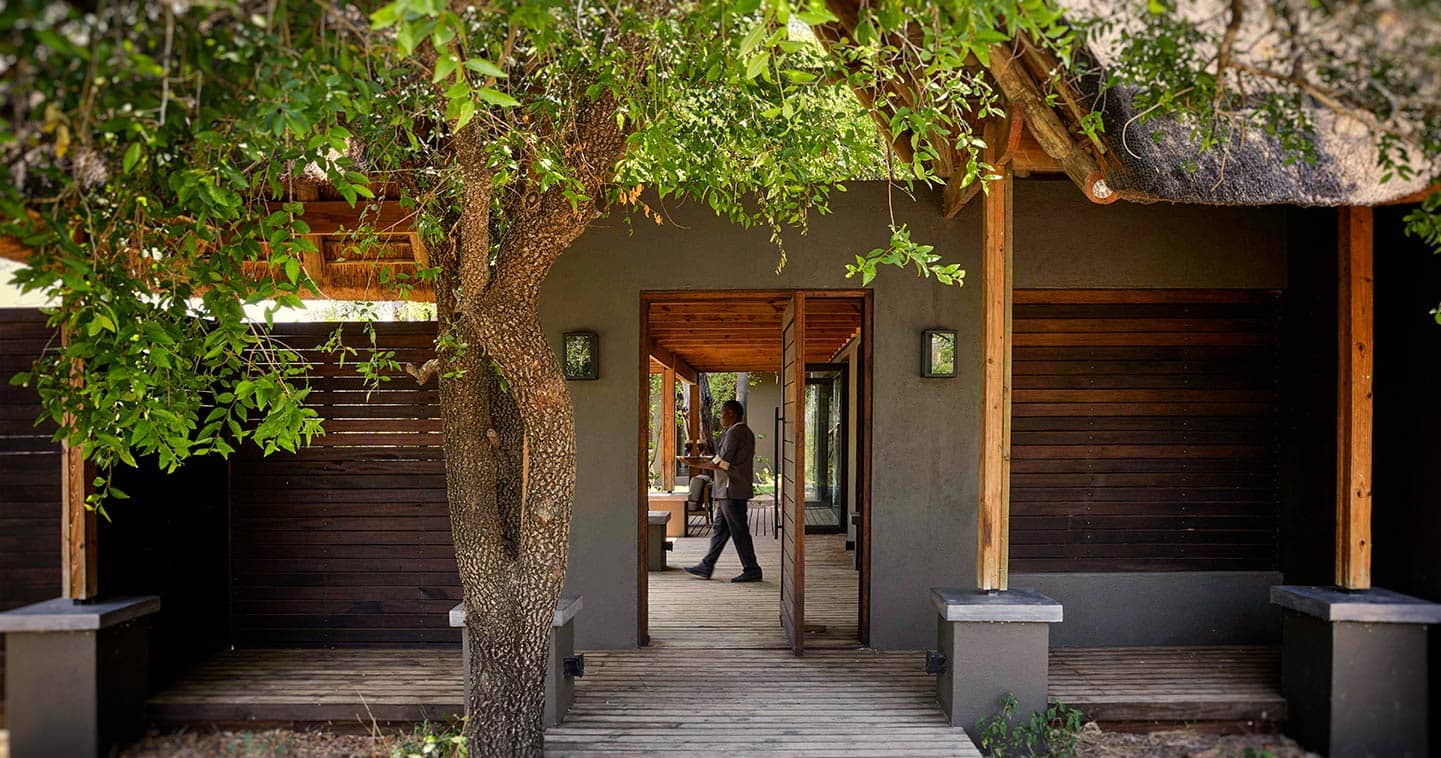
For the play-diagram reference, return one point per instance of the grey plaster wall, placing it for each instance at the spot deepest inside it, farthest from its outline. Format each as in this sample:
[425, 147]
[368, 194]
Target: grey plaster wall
[1161, 608]
[924, 449]
[761, 405]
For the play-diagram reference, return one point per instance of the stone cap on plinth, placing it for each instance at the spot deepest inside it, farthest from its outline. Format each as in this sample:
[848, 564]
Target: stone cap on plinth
[658, 517]
[65, 615]
[565, 610]
[1373, 606]
[955, 604]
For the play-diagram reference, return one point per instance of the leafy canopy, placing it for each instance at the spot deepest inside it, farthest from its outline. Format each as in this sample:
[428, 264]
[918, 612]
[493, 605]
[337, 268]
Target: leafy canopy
[151, 150]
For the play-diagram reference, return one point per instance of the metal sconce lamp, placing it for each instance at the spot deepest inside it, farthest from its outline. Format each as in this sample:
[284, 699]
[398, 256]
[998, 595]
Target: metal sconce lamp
[938, 353]
[580, 357]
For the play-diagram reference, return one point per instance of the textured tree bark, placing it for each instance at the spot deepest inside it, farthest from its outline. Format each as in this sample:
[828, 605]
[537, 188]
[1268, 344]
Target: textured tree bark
[509, 431]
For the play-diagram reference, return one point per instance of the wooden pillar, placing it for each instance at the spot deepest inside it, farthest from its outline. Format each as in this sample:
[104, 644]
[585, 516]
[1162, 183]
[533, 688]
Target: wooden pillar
[666, 454]
[997, 248]
[692, 410]
[1354, 409]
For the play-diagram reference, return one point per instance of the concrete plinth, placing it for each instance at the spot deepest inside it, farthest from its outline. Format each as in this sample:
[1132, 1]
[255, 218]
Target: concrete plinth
[995, 644]
[655, 536]
[1353, 670]
[559, 685]
[75, 675]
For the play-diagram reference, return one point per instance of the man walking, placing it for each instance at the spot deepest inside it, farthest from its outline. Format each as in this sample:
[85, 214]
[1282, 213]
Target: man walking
[734, 467]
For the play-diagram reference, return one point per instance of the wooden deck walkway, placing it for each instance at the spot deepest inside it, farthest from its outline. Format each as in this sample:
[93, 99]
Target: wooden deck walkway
[746, 700]
[749, 702]
[688, 612]
[342, 687]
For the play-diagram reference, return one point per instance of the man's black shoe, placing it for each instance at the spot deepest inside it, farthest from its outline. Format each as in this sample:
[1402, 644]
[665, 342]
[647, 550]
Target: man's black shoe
[748, 576]
[697, 571]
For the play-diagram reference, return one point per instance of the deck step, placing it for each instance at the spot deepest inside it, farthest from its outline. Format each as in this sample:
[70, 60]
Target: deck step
[1227, 683]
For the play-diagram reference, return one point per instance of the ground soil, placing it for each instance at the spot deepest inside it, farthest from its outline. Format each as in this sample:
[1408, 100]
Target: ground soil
[1095, 743]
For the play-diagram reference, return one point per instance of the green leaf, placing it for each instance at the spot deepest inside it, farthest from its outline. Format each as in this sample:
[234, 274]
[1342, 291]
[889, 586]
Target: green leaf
[496, 97]
[405, 38]
[444, 66]
[385, 16]
[485, 68]
[132, 156]
[753, 38]
[464, 113]
[816, 16]
[757, 65]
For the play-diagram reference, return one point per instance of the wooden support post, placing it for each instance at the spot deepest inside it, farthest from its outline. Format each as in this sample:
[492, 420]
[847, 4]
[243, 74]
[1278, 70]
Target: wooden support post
[666, 454]
[693, 410]
[993, 517]
[1354, 410]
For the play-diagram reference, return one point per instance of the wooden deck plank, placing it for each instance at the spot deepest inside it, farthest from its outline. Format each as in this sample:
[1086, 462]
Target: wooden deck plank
[840, 702]
[1224, 683]
[837, 702]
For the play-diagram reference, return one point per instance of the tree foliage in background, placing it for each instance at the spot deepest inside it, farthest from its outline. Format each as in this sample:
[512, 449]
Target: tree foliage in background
[149, 150]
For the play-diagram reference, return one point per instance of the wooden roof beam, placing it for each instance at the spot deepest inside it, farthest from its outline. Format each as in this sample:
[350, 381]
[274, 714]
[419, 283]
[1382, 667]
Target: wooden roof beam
[1050, 131]
[669, 359]
[955, 196]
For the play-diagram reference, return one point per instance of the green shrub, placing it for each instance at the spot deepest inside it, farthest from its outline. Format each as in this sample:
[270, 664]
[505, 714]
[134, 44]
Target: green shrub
[1052, 732]
[428, 741]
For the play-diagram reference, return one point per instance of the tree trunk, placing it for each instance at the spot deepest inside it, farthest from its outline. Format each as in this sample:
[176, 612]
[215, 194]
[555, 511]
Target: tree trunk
[510, 430]
[509, 440]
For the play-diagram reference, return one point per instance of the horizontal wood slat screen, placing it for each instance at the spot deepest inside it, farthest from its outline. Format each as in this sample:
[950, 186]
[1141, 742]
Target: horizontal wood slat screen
[30, 470]
[1144, 430]
[347, 543]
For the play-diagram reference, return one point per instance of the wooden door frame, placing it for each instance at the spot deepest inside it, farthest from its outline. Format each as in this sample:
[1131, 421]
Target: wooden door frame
[863, 430]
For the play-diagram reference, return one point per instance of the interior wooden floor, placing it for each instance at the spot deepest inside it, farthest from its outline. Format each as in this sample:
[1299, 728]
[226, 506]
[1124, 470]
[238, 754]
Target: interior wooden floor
[693, 613]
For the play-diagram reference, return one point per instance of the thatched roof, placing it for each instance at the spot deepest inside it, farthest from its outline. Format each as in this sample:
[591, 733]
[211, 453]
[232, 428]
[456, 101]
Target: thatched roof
[1160, 159]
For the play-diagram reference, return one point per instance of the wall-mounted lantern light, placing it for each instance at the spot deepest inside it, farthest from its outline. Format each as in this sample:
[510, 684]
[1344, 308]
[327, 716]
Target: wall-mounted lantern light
[938, 353]
[581, 357]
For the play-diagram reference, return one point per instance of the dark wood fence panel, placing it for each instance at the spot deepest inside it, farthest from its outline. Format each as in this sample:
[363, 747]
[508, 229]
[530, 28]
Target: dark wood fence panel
[1145, 432]
[348, 542]
[30, 470]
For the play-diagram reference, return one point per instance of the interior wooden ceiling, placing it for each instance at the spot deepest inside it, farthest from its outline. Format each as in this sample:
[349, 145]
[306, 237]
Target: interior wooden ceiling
[743, 332]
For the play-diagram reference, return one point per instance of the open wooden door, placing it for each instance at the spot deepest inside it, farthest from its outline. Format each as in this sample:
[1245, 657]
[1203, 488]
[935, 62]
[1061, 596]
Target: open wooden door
[793, 467]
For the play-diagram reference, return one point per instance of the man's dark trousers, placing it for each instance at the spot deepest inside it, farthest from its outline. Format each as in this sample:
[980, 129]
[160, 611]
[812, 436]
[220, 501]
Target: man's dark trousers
[732, 524]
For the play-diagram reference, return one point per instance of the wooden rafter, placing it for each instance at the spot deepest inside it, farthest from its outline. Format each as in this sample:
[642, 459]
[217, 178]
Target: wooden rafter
[669, 360]
[738, 333]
